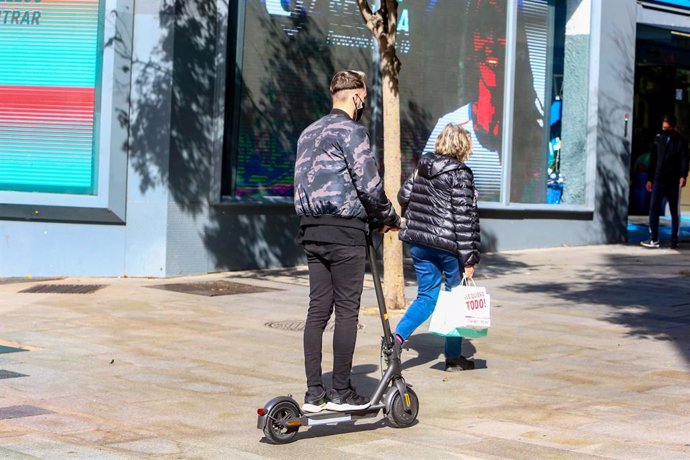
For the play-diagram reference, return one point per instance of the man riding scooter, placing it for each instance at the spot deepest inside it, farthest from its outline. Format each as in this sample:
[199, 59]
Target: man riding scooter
[338, 190]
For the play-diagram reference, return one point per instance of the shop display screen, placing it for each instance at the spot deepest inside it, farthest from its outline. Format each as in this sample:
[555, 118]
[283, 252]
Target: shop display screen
[680, 3]
[453, 64]
[48, 75]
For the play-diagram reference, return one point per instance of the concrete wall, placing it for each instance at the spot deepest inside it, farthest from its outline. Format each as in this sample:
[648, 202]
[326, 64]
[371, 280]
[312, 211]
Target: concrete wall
[614, 102]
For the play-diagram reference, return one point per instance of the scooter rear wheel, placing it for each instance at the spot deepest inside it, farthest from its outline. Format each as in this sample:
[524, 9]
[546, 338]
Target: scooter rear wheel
[276, 428]
[397, 416]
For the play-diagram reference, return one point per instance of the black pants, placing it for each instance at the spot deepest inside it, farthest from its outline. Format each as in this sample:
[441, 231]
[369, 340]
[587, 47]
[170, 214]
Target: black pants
[672, 193]
[336, 278]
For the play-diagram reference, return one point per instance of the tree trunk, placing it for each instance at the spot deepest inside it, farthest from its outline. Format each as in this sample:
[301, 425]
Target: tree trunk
[393, 276]
[383, 25]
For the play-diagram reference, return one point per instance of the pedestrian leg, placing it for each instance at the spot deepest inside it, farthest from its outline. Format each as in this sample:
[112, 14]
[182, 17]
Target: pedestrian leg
[654, 208]
[673, 197]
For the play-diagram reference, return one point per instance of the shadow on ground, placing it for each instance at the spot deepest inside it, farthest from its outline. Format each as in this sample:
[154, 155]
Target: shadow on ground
[429, 348]
[649, 295]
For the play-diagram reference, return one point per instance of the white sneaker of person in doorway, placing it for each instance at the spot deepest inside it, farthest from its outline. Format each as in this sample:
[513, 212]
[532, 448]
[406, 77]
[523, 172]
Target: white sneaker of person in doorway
[650, 244]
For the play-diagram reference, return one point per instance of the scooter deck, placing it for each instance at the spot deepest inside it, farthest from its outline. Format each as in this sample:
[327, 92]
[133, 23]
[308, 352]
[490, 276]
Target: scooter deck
[326, 417]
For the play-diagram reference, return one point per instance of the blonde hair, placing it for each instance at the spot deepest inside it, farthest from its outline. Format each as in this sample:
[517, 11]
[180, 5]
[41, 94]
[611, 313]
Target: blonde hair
[455, 142]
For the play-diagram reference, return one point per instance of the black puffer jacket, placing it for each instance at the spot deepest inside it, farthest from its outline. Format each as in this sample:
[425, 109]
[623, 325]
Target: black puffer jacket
[439, 202]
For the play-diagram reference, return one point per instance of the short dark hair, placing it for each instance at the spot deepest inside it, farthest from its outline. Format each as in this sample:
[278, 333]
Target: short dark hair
[348, 79]
[671, 119]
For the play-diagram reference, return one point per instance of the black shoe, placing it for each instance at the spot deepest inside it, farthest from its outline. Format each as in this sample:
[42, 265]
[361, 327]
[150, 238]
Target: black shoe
[459, 364]
[315, 401]
[341, 400]
[674, 245]
[650, 244]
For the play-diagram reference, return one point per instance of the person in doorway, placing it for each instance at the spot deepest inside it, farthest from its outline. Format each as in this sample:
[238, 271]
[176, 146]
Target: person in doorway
[338, 191]
[439, 203]
[668, 174]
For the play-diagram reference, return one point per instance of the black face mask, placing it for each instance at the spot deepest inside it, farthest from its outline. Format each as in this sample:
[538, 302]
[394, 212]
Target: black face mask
[359, 109]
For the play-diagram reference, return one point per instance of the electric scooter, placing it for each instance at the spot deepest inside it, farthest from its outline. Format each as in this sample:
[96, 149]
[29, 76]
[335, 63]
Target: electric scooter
[282, 416]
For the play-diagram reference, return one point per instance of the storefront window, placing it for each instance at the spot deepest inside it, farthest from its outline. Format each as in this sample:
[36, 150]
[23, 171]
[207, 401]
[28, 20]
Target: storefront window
[289, 52]
[48, 82]
[466, 43]
[550, 105]
[453, 57]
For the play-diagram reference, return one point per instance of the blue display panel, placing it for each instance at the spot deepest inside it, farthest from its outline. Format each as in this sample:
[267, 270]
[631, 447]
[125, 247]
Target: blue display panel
[678, 3]
[48, 81]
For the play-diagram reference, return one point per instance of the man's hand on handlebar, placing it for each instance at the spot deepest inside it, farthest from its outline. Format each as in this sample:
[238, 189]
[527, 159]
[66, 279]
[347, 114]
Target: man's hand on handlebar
[387, 228]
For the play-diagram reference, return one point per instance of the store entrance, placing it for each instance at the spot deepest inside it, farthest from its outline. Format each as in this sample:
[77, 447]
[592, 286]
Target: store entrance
[662, 86]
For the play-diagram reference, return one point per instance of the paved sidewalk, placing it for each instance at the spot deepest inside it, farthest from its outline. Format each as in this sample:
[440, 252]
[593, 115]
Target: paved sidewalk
[589, 357]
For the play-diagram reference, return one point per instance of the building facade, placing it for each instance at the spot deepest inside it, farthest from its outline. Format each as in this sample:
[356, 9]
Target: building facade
[156, 137]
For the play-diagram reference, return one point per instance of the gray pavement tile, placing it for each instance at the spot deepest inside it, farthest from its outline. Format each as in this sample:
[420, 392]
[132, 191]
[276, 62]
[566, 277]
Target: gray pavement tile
[31, 446]
[10, 430]
[12, 412]
[682, 392]
[387, 448]
[6, 362]
[569, 439]
[14, 455]
[636, 432]
[157, 446]
[54, 423]
[205, 387]
[518, 449]
[8, 349]
[5, 374]
[627, 450]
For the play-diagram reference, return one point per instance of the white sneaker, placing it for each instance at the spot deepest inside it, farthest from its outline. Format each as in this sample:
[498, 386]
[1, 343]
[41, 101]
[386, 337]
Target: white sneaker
[314, 403]
[650, 243]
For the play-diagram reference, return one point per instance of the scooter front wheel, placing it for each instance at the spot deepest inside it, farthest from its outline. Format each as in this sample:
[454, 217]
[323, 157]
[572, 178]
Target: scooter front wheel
[397, 416]
[283, 423]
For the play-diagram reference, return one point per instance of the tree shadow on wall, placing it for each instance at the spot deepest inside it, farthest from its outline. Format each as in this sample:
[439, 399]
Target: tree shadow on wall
[294, 86]
[613, 150]
[173, 122]
[174, 87]
[415, 127]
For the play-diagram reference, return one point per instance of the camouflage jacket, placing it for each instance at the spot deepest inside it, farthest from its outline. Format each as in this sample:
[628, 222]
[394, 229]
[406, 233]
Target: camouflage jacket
[336, 173]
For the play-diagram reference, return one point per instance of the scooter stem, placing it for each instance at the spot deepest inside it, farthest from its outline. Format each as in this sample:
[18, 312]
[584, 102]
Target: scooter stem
[388, 336]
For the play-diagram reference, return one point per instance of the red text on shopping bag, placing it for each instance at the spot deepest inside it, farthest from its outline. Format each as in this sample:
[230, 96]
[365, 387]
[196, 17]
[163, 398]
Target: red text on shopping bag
[474, 306]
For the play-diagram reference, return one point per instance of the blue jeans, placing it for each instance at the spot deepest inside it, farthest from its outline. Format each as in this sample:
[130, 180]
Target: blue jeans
[670, 191]
[430, 264]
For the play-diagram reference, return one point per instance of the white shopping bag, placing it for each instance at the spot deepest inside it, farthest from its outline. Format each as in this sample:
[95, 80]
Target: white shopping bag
[460, 311]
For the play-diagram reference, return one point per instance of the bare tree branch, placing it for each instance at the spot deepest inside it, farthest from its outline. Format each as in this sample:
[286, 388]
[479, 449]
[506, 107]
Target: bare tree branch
[391, 12]
[365, 9]
[367, 14]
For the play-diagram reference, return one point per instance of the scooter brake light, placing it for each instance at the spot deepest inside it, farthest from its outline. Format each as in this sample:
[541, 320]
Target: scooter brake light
[261, 412]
